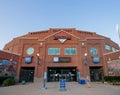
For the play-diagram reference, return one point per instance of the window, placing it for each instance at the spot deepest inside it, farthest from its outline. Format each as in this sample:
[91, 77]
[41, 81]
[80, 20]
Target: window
[93, 51]
[53, 51]
[70, 51]
[107, 47]
[113, 49]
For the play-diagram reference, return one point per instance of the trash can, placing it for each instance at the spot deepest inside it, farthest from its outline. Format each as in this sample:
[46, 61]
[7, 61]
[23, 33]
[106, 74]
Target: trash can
[82, 81]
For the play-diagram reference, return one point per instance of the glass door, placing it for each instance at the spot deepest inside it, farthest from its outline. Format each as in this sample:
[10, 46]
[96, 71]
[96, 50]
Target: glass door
[27, 74]
[96, 74]
[55, 74]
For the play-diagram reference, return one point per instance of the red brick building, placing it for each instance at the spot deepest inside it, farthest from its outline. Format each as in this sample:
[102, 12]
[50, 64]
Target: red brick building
[61, 52]
[112, 63]
[8, 63]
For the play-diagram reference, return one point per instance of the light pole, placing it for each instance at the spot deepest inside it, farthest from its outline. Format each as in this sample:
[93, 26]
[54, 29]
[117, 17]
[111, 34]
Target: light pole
[38, 59]
[117, 30]
[85, 59]
[44, 74]
[44, 81]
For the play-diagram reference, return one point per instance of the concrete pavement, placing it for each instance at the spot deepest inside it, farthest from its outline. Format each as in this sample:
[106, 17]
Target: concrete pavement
[73, 88]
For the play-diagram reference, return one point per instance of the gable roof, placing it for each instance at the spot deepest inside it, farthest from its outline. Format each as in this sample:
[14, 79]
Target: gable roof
[59, 32]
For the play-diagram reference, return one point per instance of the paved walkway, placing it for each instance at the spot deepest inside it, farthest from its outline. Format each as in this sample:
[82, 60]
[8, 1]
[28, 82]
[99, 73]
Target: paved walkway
[73, 88]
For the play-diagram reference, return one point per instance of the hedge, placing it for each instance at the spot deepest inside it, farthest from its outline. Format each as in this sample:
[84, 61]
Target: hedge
[112, 78]
[8, 82]
[2, 78]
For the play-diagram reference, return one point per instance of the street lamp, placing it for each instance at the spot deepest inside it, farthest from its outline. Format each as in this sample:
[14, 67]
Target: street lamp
[85, 59]
[85, 54]
[38, 59]
[44, 74]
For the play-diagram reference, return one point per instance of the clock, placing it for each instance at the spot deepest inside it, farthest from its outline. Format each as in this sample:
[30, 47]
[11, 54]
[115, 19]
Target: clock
[30, 51]
[93, 51]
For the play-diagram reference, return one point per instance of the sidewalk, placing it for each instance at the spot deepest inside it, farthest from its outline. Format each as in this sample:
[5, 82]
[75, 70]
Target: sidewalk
[73, 88]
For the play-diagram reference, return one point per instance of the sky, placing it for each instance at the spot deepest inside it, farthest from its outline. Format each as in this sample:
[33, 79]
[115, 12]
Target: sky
[18, 17]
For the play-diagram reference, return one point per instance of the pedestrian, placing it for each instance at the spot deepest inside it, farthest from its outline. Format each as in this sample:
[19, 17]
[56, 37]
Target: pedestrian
[88, 81]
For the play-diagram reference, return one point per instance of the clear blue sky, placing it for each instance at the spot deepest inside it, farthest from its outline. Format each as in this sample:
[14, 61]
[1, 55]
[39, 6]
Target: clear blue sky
[18, 17]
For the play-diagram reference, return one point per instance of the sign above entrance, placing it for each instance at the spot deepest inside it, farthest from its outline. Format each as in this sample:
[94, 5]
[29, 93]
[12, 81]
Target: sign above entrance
[62, 37]
[28, 59]
[61, 59]
[96, 60]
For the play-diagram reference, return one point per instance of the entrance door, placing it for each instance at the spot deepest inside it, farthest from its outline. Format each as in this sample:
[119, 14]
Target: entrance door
[96, 74]
[27, 74]
[55, 74]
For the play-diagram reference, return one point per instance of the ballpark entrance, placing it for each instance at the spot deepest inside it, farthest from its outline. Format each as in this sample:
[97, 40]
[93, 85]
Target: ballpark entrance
[27, 74]
[96, 74]
[57, 73]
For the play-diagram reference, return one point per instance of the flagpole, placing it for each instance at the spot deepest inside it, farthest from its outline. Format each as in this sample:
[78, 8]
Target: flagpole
[117, 30]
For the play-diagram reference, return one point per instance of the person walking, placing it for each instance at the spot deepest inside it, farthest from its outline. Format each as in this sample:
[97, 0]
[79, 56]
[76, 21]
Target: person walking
[88, 81]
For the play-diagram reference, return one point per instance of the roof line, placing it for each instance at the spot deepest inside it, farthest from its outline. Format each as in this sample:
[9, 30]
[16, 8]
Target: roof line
[111, 52]
[10, 52]
[61, 31]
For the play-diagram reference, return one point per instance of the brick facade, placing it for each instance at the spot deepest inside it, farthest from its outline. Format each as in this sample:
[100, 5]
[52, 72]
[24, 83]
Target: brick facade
[82, 41]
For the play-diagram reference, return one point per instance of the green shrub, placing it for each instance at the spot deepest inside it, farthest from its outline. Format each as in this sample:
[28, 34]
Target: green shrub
[8, 82]
[2, 78]
[112, 78]
[115, 80]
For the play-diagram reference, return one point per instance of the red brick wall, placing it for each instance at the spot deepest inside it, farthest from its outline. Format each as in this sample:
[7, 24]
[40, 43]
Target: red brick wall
[109, 57]
[78, 37]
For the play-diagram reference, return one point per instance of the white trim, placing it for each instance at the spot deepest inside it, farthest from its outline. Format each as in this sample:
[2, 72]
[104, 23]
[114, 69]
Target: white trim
[111, 52]
[7, 51]
[61, 31]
